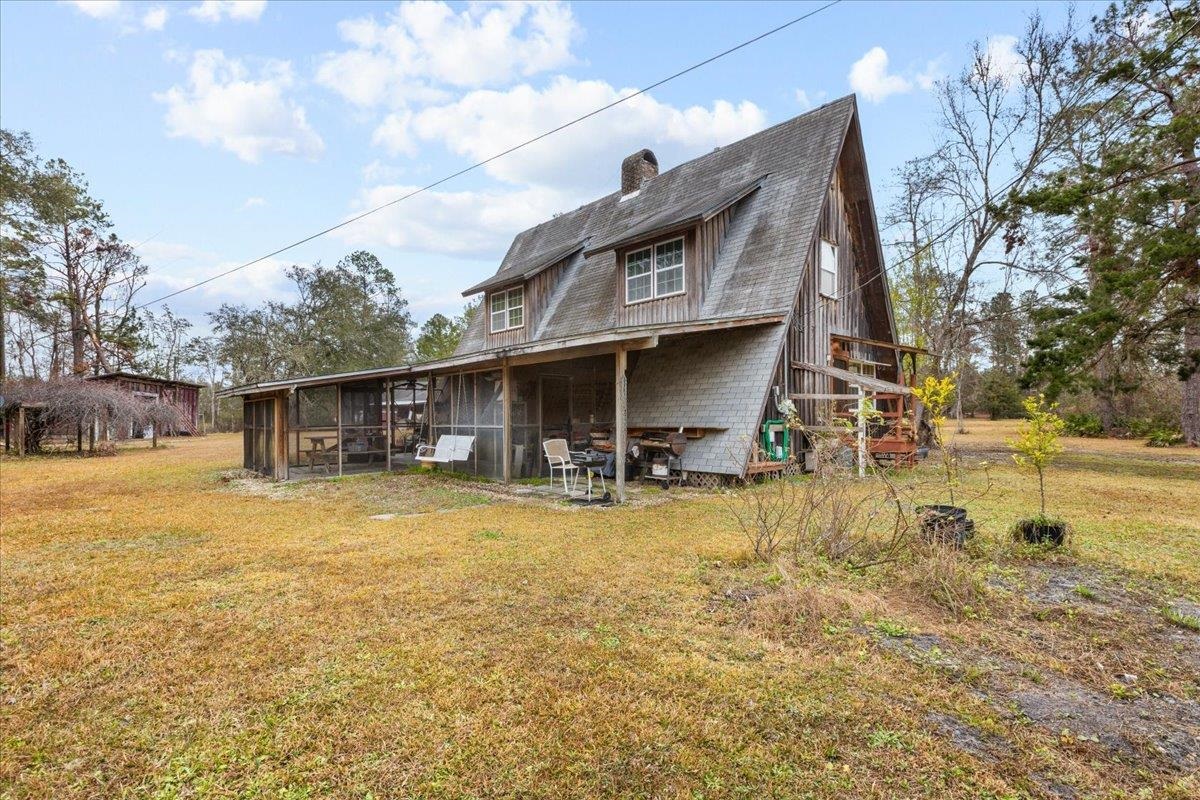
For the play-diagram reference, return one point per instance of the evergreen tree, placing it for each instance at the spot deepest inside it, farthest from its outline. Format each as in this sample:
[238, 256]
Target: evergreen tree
[1133, 197]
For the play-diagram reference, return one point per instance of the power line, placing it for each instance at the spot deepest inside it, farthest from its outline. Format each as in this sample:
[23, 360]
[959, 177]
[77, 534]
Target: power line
[490, 159]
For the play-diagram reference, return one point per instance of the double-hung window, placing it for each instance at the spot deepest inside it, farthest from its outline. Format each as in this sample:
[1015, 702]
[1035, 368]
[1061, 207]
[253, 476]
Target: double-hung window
[655, 271]
[507, 309]
[828, 268]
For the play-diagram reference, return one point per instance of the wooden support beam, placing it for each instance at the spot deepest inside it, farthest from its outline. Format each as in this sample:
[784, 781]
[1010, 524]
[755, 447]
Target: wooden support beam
[338, 442]
[506, 400]
[20, 430]
[862, 433]
[387, 423]
[823, 396]
[280, 443]
[622, 419]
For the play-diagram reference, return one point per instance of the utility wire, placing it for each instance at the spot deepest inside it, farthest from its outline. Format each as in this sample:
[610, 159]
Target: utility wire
[941, 235]
[490, 159]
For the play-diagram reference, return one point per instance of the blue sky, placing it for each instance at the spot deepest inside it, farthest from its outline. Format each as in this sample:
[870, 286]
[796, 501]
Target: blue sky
[216, 132]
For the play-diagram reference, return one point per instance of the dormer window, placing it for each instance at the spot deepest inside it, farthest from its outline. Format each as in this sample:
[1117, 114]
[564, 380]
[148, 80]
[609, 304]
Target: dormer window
[654, 272]
[507, 309]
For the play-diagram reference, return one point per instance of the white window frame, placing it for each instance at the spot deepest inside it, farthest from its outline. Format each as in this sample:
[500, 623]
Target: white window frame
[508, 307]
[828, 252]
[655, 269]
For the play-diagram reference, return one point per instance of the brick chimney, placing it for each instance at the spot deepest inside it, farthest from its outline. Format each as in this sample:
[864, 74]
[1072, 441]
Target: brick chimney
[636, 170]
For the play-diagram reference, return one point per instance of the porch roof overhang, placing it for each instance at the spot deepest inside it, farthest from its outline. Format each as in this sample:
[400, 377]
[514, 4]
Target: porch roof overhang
[631, 338]
[854, 379]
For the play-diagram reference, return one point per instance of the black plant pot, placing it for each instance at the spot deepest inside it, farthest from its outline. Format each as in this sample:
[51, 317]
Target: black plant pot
[945, 524]
[1039, 531]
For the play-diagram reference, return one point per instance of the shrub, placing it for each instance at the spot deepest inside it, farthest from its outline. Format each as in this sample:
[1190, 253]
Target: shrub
[1163, 437]
[1082, 424]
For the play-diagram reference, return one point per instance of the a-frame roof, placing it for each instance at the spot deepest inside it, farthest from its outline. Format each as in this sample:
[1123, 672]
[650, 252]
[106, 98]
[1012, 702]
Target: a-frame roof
[778, 179]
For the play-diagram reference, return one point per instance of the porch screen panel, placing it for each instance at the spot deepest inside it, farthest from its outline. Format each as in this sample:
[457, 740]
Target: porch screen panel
[312, 431]
[527, 448]
[409, 417]
[471, 404]
[364, 438]
[258, 422]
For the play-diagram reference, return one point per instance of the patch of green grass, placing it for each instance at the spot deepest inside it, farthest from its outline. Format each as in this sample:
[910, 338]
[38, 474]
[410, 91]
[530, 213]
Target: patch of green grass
[488, 535]
[1086, 592]
[882, 737]
[1181, 619]
[891, 628]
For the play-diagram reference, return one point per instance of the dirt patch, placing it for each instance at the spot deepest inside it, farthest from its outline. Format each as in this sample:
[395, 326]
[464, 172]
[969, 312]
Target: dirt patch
[1166, 728]
[1085, 639]
[969, 738]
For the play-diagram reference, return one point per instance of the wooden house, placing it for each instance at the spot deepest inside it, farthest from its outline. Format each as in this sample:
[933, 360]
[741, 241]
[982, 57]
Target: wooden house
[185, 395]
[699, 300]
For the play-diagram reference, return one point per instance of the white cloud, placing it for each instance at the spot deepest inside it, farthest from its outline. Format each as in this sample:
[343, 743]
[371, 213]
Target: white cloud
[98, 9]
[174, 266]
[933, 72]
[423, 46]
[155, 18]
[1003, 58]
[223, 105]
[253, 202]
[216, 10]
[869, 77]
[466, 223]
[582, 160]
[807, 101]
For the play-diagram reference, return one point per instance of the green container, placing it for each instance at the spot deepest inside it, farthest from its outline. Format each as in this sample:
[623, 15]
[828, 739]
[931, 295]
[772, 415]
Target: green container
[776, 440]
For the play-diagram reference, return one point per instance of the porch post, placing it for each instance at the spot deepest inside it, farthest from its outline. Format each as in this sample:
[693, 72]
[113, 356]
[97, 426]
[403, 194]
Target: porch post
[338, 441]
[387, 423]
[506, 402]
[862, 432]
[622, 422]
[281, 435]
[20, 430]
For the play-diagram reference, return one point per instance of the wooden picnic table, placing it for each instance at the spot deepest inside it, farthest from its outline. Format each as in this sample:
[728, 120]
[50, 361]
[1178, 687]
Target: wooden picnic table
[318, 448]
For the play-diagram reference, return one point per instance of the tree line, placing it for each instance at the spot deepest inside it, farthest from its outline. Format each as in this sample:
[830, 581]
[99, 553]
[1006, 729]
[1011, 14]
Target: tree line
[70, 286]
[1050, 241]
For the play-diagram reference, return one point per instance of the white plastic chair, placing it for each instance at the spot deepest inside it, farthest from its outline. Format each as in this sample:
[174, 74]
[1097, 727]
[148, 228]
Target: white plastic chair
[558, 456]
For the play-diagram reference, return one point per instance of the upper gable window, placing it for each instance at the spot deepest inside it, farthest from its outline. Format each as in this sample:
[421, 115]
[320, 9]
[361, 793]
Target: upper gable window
[507, 309]
[655, 271]
[829, 268]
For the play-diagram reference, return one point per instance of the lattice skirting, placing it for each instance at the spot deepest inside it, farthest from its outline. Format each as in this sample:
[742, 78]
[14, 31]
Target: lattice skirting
[707, 480]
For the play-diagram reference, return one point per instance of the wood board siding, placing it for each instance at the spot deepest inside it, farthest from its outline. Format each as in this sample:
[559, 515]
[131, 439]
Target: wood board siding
[816, 318]
[701, 247]
[538, 291]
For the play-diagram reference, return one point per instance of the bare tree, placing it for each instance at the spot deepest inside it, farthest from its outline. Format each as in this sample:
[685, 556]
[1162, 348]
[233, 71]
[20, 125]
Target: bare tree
[999, 126]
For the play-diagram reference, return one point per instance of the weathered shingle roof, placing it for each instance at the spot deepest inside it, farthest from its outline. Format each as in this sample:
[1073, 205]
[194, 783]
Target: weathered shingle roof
[787, 168]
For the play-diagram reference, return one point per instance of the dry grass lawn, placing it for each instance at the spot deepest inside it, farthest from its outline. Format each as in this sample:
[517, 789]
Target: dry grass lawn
[168, 633]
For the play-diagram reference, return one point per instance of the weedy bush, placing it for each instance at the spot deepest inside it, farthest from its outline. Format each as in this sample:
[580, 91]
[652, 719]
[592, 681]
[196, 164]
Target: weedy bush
[948, 577]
